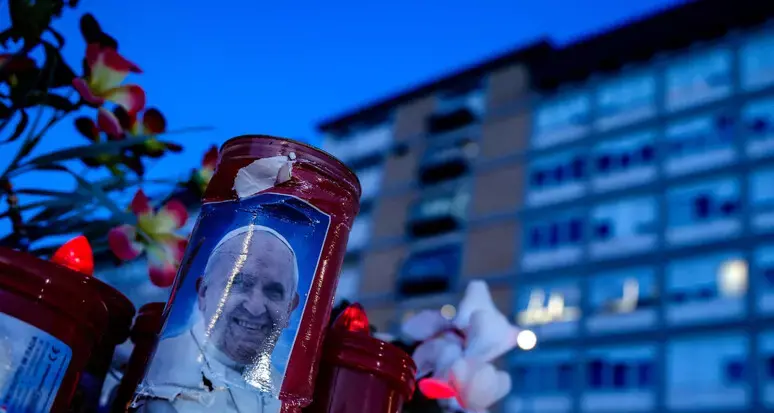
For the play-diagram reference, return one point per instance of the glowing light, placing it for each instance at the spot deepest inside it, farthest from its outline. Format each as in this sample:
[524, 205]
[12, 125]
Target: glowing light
[526, 340]
[732, 277]
[631, 295]
[353, 319]
[435, 389]
[448, 311]
[76, 255]
[539, 312]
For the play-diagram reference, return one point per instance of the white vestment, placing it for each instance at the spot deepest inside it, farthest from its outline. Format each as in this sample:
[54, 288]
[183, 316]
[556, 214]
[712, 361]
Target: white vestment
[176, 374]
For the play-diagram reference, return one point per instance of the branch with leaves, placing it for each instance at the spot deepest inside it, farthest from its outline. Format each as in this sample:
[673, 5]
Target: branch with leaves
[39, 90]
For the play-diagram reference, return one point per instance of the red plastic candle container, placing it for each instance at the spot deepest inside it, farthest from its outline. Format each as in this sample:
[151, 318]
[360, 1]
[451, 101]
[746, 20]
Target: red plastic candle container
[144, 334]
[53, 321]
[360, 373]
[244, 327]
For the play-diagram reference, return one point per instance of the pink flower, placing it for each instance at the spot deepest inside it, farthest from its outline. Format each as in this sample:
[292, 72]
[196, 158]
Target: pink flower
[155, 234]
[106, 72]
[203, 175]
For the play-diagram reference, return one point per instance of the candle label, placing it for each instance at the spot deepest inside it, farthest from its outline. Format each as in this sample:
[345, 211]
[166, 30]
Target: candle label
[32, 365]
[237, 306]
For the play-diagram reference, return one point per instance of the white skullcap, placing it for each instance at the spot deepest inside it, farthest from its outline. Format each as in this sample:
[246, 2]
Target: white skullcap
[252, 228]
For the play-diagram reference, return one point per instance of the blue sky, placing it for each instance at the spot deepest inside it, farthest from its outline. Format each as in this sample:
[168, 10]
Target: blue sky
[251, 66]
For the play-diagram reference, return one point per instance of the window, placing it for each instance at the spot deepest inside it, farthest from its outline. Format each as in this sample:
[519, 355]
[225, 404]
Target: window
[625, 101]
[762, 199]
[766, 367]
[624, 227]
[554, 241]
[764, 268]
[561, 120]
[361, 142]
[622, 300]
[619, 376]
[557, 178]
[360, 233]
[551, 310]
[707, 289]
[625, 161]
[708, 373]
[430, 271]
[440, 211]
[543, 381]
[700, 79]
[699, 143]
[458, 107]
[370, 181]
[703, 212]
[349, 282]
[758, 117]
[447, 157]
[757, 62]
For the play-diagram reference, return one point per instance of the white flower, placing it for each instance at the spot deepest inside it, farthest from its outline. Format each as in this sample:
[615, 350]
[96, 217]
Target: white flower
[458, 353]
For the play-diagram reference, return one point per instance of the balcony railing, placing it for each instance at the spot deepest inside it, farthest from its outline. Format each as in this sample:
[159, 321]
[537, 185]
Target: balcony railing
[457, 111]
[429, 271]
[449, 159]
[362, 144]
[439, 213]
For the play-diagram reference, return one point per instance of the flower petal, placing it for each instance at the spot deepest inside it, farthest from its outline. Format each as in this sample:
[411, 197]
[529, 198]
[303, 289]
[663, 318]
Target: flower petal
[141, 204]
[122, 242]
[210, 159]
[164, 259]
[436, 355]
[479, 385]
[107, 68]
[109, 123]
[86, 93]
[435, 389]
[489, 335]
[86, 127]
[130, 97]
[477, 297]
[126, 119]
[175, 212]
[154, 122]
[424, 325]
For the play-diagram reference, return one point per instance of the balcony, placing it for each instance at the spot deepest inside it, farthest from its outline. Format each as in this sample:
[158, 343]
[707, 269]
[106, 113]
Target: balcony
[447, 159]
[429, 271]
[365, 143]
[438, 213]
[457, 110]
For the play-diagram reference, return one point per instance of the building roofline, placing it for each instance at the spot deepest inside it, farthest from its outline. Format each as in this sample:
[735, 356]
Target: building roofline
[632, 41]
[528, 53]
[642, 39]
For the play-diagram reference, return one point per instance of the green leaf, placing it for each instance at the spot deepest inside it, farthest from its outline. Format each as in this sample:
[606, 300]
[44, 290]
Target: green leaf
[92, 32]
[19, 129]
[56, 71]
[31, 18]
[47, 192]
[85, 151]
[58, 36]
[45, 98]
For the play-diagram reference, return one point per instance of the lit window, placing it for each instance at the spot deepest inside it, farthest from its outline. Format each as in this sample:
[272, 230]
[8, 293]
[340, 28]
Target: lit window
[758, 118]
[700, 143]
[757, 62]
[561, 120]
[623, 300]
[619, 376]
[551, 311]
[557, 178]
[625, 161]
[699, 79]
[704, 212]
[707, 289]
[625, 101]
[553, 242]
[708, 373]
[624, 227]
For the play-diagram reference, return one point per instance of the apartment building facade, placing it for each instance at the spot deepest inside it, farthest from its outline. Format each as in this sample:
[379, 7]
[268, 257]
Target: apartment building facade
[618, 195]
